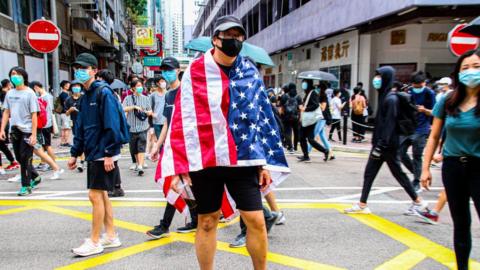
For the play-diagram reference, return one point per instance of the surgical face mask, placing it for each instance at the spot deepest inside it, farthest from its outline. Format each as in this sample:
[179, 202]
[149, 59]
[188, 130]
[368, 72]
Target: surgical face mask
[231, 47]
[82, 75]
[139, 89]
[169, 75]
[377, 83]
[17, 80]
[163, 85]
[304, 86]
[470, 77]
[417, 90]
[76, 89]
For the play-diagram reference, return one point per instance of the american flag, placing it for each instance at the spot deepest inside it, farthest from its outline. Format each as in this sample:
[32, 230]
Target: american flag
[220, 120]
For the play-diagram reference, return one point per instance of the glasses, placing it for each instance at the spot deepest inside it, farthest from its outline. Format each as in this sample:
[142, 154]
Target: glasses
[240, 38]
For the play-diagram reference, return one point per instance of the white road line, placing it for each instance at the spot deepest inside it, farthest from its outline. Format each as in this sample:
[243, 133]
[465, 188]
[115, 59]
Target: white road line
[357, 195]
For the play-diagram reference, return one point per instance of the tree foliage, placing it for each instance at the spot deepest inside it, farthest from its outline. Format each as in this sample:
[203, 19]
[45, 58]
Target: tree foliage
[136, 9]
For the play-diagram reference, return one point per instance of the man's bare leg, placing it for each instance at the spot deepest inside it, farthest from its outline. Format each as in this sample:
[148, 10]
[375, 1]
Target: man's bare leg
[206, 239]
[272, 202]
[257, 243]
[98, 213]
[108, 219]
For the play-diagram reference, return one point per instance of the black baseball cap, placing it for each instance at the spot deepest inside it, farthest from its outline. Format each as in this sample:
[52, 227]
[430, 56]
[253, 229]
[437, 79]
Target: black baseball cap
[227, 22]
[86, 60]
[169, 63]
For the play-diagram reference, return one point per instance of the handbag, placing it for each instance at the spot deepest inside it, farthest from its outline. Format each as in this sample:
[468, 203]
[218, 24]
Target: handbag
[311, 118]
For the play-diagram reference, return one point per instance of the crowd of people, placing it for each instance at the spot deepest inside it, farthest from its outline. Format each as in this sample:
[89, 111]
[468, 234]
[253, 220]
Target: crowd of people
[220, 136]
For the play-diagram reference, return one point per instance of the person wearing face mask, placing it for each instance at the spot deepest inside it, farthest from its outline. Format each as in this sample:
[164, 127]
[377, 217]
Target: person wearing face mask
[424, 98]
[138, 108]
[459, 114]
[223, 134]
[444, 86]
[64, 119]
[71, 106]
[100, 132]
[21, 108]
[385, 144]
[157, 99]
[6, 86]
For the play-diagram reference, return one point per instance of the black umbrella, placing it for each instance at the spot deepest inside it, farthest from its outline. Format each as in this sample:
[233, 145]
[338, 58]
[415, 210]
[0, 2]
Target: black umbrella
[473, 28]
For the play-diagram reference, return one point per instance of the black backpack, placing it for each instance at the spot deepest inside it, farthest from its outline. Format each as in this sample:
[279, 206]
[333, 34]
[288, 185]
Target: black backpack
[407, 115]
[291, 108]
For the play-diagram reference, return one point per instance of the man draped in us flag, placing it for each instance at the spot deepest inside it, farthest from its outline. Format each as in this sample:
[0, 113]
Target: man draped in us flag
[223, 136]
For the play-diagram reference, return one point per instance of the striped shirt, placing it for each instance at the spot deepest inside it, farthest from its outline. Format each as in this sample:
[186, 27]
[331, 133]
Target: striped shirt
[136, 125]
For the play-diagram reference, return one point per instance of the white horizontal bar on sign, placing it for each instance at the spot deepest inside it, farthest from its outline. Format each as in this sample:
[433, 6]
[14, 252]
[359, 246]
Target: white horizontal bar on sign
[464, 40]
[42, 36]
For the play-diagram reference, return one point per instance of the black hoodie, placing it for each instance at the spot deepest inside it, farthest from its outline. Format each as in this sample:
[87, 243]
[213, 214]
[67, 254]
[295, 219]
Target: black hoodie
[385, 135]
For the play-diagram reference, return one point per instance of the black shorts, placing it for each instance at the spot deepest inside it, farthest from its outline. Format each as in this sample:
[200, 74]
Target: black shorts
[138, 142]
[47, 136]
[242, 184]
[98, 178]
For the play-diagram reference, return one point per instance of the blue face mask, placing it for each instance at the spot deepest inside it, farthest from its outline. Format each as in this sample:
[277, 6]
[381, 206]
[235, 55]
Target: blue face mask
[377, 83]
[82, 75]
[417, 90]
[470, 77]
[17, 80]
[76, 90]
[139, 89]
[169, 75]
[304, 86]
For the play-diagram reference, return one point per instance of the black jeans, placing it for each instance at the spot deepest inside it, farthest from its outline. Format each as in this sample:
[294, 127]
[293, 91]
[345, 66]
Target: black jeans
[307, 133]
[418, 142]
[24, 154]
[291, 126]
[336, 125]
[6, 151]
[392, 159]
[169, 213]
[267, 215]
[461, 179]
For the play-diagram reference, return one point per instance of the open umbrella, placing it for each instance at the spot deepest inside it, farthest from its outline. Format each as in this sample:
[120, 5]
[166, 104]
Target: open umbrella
[473, 28]
[117, 84]
[259, 55]
[317, 75]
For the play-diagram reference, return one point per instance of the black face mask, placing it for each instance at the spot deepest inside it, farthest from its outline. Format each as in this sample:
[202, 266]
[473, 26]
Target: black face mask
[231, 47]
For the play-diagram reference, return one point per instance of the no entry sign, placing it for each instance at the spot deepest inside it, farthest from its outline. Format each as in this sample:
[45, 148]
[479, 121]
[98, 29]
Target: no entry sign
[459, 43]
[43, 36]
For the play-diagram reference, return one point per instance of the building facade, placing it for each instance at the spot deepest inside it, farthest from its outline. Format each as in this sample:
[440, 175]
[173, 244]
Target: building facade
[173, 30]
[347, 38]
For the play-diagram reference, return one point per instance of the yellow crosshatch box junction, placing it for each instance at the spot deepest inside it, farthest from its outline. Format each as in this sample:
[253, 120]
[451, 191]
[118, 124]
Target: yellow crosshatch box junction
[418, 247]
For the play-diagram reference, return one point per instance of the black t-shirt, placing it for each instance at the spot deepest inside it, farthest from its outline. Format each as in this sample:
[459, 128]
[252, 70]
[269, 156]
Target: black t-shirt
[72, 102]
[63, 97]
[169, 103]
[225, 69]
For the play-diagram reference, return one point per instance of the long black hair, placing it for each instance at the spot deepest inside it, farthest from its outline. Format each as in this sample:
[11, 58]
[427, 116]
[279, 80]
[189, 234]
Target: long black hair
[454, 100]
[19, 71]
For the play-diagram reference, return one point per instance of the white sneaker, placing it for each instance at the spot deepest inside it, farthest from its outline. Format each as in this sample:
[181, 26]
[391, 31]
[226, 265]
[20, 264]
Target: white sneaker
[416, 207]
[16, 178]
[145, 165]
[2, 171]
[56, 174]
[133, 167]
[281, 219]
[110, 243]
[88, 248]
[357, 209]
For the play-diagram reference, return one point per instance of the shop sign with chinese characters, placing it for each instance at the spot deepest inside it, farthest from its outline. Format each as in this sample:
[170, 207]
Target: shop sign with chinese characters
[335, 51]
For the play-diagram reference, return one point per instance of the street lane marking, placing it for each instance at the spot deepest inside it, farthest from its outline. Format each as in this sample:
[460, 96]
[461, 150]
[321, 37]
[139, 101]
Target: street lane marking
[15, 210]
[404, 261]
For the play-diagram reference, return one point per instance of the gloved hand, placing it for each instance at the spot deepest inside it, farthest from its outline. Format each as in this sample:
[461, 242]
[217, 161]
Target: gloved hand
[376, 153]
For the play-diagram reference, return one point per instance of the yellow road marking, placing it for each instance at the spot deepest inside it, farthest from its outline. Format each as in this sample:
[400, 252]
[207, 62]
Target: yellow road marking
[406, 260]
[36, 203]
[116, 255]
[15, 210]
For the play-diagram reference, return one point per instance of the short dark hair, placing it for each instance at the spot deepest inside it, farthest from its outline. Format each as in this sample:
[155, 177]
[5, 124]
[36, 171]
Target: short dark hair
[107, 75]
[5, 82]
[157, 79]
[134, 83]
[32, 84]
[360, 83]
[21, 71]
[63, 83]
[418, 77]
[336, 92]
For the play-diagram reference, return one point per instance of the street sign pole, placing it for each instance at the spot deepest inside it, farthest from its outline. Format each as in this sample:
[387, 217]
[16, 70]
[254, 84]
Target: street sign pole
[45, 63]
[55, 58]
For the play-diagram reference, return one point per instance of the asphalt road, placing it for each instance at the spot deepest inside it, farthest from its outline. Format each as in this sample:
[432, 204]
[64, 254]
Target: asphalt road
[39, 231]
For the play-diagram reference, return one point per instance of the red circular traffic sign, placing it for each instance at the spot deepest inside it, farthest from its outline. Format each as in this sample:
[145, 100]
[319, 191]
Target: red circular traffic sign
[460, 43]
[43, 36]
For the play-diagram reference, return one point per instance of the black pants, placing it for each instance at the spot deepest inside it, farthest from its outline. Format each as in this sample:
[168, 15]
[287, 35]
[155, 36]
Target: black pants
[462, 182]
[6, 151]
[336, 125]
[418, 142]
[307, 133]
[24, 153]
[267, 214]
[357, 122]
[291, 126]
[391, 157]
[169, 213]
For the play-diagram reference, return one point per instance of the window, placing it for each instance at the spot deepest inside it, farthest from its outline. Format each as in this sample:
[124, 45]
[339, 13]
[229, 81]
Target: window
[5, 7]
[27, 11]
[308, 54]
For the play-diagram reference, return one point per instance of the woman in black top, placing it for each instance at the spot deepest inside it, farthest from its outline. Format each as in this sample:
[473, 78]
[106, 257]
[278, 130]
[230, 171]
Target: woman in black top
[307, 133]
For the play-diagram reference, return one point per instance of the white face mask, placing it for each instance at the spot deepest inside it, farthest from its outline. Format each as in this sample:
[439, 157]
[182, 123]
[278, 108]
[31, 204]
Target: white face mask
[163, 85]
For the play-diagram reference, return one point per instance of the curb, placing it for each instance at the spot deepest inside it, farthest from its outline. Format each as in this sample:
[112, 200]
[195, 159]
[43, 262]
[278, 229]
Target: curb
[348, 149]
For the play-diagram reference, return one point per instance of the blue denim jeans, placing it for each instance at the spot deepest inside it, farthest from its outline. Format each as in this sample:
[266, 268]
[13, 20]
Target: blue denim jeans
[320, 131]
[418, 142]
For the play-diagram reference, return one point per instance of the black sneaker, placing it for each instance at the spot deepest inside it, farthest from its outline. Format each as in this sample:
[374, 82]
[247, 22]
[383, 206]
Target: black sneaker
[190, 227]
[271, 221]
[303, 159]
[140, 172]
[116, 192]
[158, 232]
